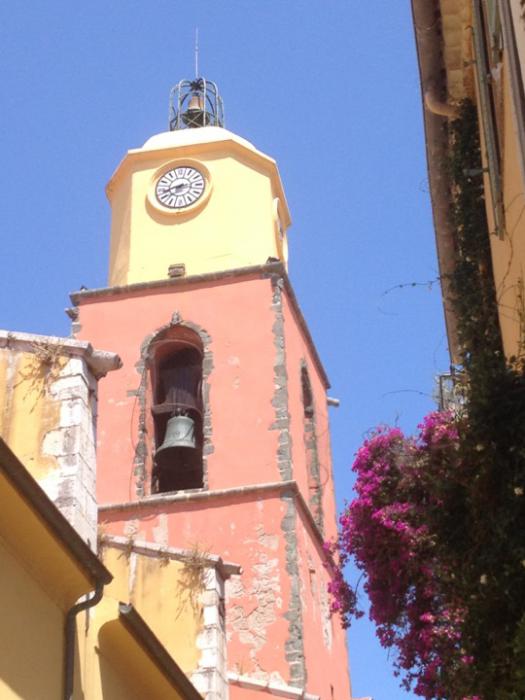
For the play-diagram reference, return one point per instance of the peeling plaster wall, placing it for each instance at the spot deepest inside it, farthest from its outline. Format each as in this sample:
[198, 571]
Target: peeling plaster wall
[277, 610]
[323, 636]
[246, 530]
[262, 585]
[47, 417]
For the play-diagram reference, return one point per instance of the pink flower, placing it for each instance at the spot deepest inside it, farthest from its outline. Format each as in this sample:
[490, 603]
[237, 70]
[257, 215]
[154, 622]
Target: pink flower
[389, 529]
[427, 617]
[467, 660]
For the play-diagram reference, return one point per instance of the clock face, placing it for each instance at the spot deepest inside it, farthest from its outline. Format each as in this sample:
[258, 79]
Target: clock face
[180, 187]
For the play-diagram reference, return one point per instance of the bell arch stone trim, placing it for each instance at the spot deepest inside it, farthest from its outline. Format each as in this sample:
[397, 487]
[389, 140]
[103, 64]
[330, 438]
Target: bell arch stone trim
[142, 366]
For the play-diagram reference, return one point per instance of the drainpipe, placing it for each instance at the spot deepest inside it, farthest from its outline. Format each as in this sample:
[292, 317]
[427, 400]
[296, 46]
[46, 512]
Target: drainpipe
[437, 106]
[427, 18]
[70, 634]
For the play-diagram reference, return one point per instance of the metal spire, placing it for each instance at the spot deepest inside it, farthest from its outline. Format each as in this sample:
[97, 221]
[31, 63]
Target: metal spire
[196, 53]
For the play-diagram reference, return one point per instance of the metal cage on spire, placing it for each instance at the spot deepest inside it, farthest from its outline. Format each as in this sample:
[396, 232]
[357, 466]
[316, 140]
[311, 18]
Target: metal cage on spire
[195, 103]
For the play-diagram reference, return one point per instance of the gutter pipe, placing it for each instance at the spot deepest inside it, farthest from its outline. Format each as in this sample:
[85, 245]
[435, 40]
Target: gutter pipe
[426, 17]
[436, 106]
[70, 636]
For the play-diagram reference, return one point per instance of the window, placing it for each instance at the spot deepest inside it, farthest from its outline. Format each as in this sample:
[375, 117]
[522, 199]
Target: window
[308, 399]
[313, 467]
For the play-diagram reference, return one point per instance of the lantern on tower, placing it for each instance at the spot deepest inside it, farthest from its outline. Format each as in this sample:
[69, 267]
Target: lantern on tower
[195, 103]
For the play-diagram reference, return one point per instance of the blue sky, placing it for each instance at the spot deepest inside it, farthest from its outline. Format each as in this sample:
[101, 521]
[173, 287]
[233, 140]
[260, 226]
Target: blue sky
[331, 90]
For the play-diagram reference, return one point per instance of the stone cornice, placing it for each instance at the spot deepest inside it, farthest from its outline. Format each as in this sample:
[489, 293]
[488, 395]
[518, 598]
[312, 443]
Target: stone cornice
[99, 362]
[242, 273]
[208, 496]
[151, 549]
[280, 690]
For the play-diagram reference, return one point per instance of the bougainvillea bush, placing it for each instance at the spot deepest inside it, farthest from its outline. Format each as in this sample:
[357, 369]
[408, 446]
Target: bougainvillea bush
[407, 491]
[410, 530]
[438, 523]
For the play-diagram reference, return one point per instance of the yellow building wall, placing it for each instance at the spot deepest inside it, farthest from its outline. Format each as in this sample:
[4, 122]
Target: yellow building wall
[112, 664]
[508, 252]
[38, 584]
[27, 410]
[120, 198]
[233, 225]
[108, 683]
[166, 593]
[47, 404]
[31, 634]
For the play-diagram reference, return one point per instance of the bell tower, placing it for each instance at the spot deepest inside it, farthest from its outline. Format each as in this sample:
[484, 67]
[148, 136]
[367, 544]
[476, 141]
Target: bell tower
[214, 433]
[196, 199]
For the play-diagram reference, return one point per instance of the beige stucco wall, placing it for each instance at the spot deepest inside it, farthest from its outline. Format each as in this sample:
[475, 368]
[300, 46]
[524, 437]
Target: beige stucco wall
[516, 8]
[508, 250]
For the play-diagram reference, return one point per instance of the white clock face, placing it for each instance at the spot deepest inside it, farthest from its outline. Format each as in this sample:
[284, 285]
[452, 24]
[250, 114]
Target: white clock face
[180, 187]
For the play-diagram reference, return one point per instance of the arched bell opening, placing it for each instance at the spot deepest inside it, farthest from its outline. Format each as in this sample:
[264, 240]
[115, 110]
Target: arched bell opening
[176, 375]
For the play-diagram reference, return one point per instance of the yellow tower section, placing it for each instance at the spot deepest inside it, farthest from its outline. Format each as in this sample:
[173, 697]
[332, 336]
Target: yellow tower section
[194, 201]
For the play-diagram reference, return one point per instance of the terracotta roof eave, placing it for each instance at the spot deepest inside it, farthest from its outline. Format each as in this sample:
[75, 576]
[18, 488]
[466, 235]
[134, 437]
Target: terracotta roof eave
[426, 21]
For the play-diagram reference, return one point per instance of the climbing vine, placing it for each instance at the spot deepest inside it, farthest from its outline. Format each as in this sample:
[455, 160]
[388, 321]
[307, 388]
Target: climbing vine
[438, 522]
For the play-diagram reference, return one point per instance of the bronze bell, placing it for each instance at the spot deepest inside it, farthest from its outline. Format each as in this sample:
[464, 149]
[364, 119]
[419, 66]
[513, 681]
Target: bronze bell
[196, 115]
[180, 432]
[178, 461]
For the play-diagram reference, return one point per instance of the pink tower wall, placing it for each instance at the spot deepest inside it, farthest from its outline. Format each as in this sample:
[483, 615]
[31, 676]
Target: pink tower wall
[252, 513]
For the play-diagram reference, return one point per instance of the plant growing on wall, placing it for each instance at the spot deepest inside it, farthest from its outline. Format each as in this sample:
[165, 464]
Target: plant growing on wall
[43, 369]
[438, 520]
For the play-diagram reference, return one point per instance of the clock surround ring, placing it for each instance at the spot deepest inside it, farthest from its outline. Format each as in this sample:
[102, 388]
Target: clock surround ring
[164, 172]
